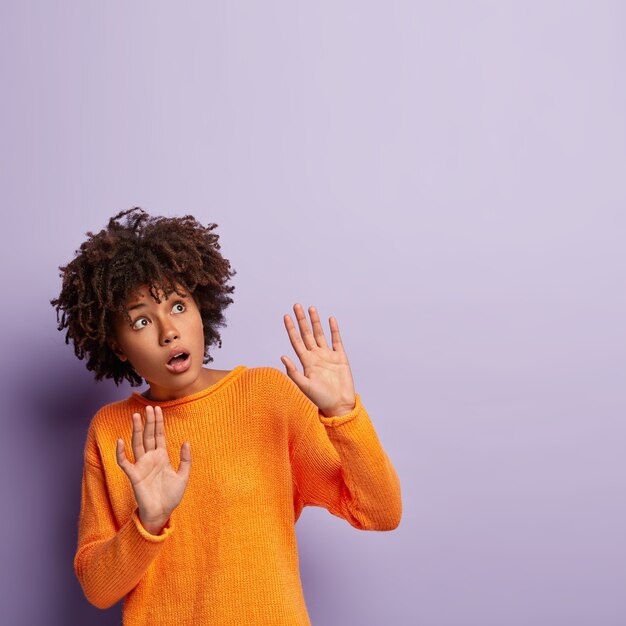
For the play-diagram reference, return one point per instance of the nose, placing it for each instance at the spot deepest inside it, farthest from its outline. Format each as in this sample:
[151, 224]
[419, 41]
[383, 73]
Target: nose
[169, 333]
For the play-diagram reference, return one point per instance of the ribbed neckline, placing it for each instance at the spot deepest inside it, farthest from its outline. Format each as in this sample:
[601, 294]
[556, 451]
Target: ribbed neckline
[193, 397]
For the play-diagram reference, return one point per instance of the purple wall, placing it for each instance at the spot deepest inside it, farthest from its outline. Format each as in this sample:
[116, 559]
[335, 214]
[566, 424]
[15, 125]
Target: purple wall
[447, 178]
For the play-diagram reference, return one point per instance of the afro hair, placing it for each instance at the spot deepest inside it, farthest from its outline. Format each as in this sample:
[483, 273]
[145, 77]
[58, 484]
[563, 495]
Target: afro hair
[137, 249]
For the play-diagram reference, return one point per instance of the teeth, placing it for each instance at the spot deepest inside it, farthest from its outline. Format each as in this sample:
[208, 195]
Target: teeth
[183, 354]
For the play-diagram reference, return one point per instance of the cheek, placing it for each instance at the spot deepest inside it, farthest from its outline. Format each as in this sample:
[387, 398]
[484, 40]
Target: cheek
[134, 348]
[200, 329]
[144, 364]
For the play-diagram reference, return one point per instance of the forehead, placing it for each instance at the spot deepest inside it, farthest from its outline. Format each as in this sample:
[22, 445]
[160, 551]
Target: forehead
[141, 295]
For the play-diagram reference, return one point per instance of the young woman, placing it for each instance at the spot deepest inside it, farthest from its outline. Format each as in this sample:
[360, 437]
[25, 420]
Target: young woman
[212, 542]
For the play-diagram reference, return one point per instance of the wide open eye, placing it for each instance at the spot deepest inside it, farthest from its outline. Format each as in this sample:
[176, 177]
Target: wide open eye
[140, 322]
[179, 307]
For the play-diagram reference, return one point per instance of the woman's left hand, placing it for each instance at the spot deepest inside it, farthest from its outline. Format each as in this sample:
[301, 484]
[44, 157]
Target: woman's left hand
[327, 379]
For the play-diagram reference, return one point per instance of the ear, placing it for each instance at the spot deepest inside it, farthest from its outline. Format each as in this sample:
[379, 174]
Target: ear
[119, 353]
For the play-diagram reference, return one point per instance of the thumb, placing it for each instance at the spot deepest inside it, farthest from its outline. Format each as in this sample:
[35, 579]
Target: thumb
[185, 460]
[120, 456]
[292, 371]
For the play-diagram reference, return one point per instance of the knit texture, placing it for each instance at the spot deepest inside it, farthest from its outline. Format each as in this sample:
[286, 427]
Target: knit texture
[261, 451]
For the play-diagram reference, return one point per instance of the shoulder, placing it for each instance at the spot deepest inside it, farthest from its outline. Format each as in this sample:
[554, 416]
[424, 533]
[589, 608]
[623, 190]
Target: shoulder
[269, 377]
[104, 427]
[277, 396]
[271, 383]
[111, 414]
[285, 395]
[261, 373]
[112, 408]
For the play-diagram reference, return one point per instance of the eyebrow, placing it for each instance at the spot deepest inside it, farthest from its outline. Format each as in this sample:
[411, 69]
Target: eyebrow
[142, 305]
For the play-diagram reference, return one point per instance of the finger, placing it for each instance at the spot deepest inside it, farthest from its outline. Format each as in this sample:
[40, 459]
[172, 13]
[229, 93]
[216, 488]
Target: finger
[292, 371]
[159, 427]
[185, 461]
[148, 431]
[336, 337]
[122, 461]
[294, 338]
[137, 438]
[318, 331]
[303, 325]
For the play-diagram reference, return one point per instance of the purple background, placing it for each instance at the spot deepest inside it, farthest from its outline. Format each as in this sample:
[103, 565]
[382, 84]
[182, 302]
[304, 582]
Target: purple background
[447, 178]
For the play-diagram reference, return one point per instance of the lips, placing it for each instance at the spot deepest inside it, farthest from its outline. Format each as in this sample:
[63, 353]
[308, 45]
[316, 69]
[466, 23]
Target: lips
[179, 361]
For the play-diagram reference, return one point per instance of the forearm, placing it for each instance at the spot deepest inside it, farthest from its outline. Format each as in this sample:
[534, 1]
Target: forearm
[371, 482]
[340, 464]
[109, 570]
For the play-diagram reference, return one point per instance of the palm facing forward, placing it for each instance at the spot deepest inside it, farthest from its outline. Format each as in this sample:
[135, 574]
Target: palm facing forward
[327, 379]
[158, 488]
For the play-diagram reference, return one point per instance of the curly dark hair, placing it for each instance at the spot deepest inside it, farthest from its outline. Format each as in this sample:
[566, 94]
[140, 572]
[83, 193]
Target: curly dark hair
[137, 249]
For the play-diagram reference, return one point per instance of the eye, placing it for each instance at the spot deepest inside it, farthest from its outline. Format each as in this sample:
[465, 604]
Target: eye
[140, 322]
[179, 307]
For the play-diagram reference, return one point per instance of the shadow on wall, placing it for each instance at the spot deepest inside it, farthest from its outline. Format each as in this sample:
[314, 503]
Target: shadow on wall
[66, 399]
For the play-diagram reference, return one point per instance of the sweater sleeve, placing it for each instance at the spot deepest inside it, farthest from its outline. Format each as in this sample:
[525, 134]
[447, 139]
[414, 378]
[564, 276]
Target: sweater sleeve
[110, 559]
[339, 464]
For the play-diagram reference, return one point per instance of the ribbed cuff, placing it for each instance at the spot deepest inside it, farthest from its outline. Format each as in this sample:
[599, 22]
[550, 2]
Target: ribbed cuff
[167, 530]
[334, 421]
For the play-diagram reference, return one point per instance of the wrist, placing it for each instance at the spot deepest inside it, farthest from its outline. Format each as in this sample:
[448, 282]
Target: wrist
[339, 411]
[154, 526]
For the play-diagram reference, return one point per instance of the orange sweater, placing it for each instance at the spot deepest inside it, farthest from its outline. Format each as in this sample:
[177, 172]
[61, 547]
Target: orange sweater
[261, 451]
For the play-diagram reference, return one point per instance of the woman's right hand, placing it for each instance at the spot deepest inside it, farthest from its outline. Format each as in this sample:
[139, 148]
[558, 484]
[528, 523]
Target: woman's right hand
[158, 488]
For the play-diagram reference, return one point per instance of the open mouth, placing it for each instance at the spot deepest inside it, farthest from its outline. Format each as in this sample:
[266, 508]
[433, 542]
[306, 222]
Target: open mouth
[179, 362]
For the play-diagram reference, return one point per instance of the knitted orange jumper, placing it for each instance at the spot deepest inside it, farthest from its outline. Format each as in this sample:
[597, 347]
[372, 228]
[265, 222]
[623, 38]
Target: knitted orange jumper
[261, 451]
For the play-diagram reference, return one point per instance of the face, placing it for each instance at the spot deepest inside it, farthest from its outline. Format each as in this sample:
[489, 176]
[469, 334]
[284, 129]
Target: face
[164, 342]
